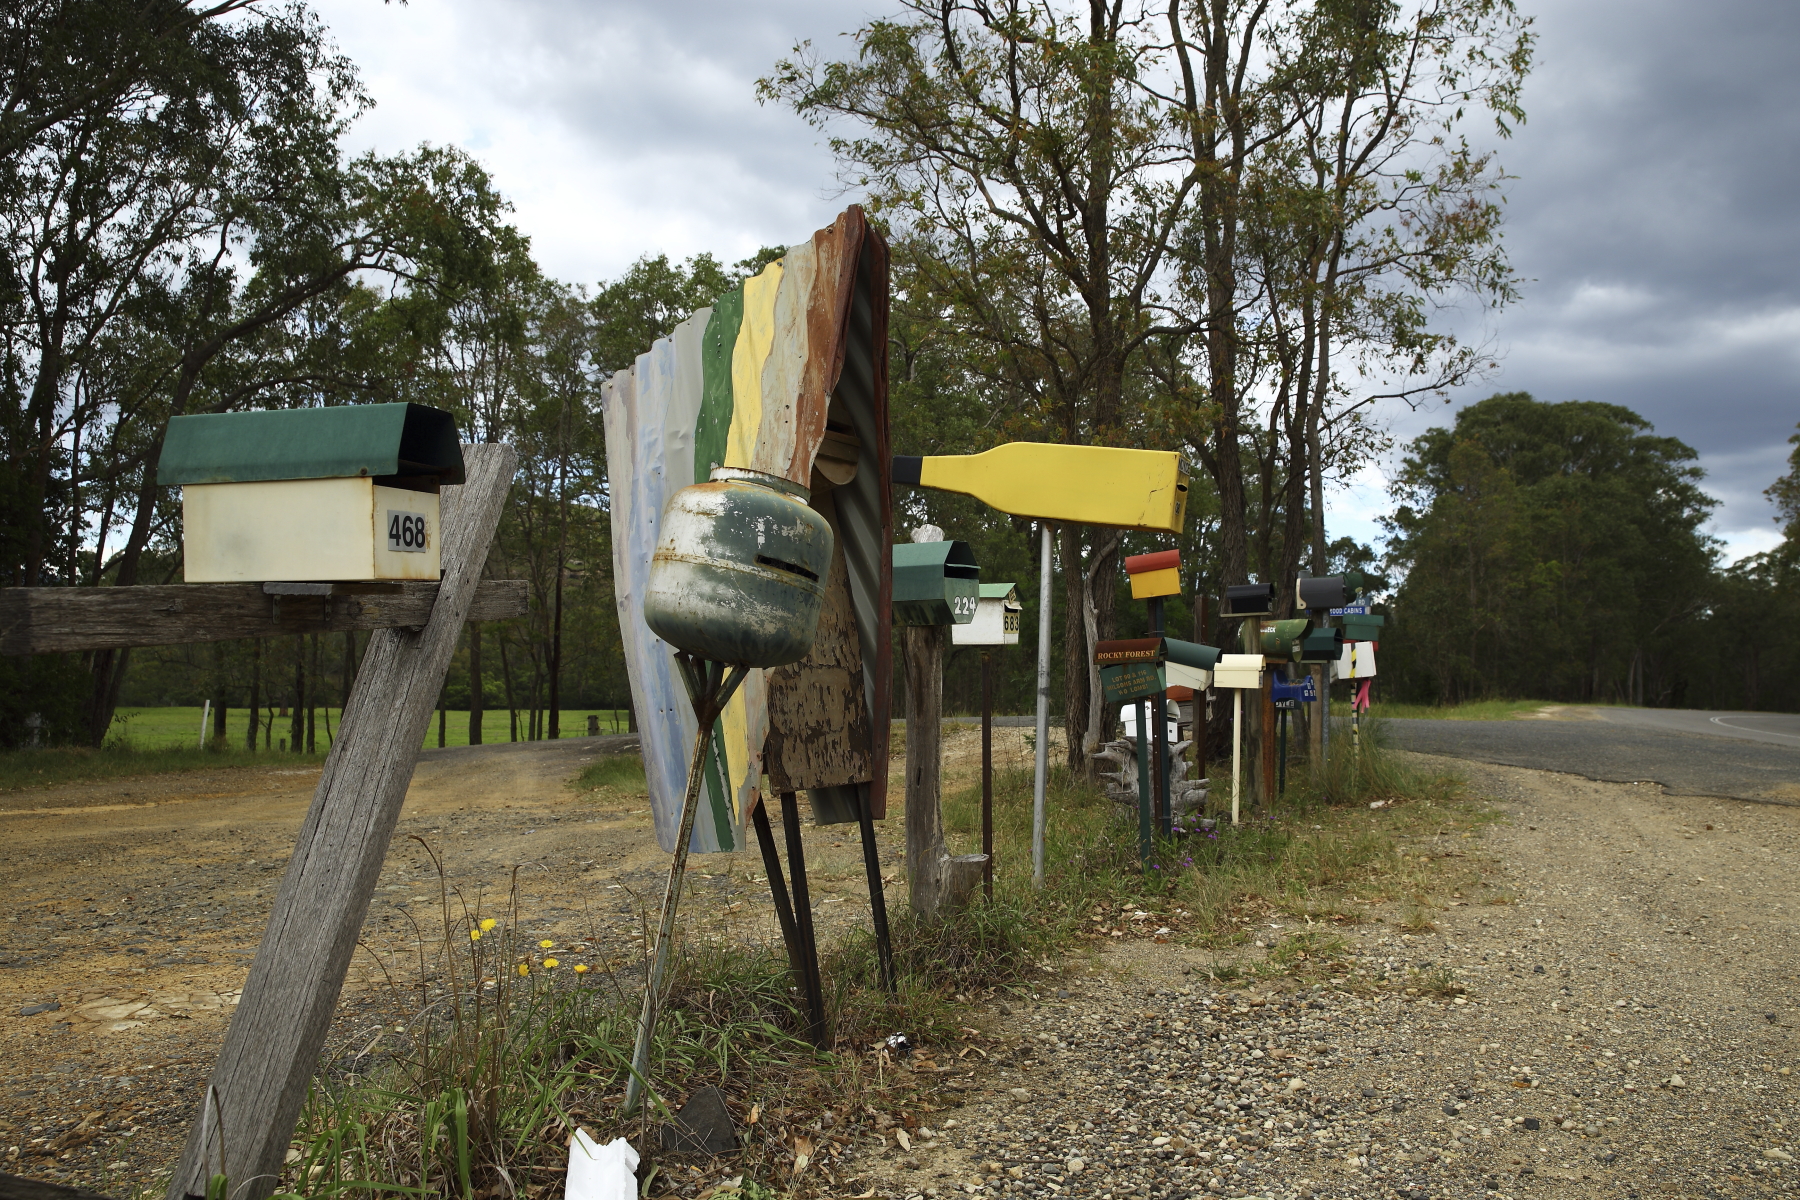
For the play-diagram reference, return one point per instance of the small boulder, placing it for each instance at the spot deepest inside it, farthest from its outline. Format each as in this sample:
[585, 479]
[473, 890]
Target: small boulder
[703, 1126]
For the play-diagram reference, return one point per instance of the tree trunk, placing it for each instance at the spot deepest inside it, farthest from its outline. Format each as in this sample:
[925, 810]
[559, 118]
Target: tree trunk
[506, 679]
[936, 882]
[474, 683]
[313, 699]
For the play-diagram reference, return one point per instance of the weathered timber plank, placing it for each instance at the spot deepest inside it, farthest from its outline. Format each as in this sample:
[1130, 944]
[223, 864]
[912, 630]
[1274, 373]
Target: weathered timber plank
[56, 620]
[278, 1030]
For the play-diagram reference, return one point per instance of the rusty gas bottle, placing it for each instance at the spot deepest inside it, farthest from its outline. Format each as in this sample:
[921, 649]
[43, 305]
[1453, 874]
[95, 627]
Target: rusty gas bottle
[740, 569]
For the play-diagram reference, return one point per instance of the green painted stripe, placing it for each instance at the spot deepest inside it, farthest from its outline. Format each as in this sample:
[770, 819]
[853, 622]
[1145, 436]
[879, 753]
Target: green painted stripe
[716, 345]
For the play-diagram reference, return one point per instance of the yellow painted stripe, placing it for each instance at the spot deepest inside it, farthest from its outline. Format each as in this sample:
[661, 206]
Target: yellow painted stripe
[756, 336]
[737, 766]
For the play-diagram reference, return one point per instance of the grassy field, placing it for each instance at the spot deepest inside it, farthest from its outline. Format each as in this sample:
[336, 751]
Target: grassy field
[169, 728]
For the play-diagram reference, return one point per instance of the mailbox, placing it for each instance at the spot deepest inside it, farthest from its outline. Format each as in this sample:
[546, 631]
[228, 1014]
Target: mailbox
[1154, 575]
[1239, 671]
[1292, 695]
[1189, 664]
[935, 583]
[1358, 661]
[341, 494]
[1359, 624]
[1284, 639]
[1089, 485]
[1130, 668]
[996, 620]
[1249, 600]
[1319, 593]
[1322, 645]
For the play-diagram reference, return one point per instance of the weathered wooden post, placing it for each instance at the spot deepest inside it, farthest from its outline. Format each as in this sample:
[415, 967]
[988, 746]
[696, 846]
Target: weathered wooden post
[936, 585]
[271, 1049]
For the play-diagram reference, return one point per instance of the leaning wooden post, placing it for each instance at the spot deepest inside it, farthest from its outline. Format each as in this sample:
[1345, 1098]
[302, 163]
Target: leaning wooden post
[272, 1047]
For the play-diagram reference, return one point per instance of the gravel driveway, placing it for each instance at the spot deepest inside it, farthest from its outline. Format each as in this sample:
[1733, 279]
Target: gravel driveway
[1626, 1030]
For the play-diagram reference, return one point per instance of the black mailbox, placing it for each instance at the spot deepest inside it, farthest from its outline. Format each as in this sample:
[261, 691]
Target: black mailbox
[1322, 645]
[1249, 600]
[1327, 592]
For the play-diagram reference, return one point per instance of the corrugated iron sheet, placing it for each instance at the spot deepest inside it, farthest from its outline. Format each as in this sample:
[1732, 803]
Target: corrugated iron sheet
[750, 383]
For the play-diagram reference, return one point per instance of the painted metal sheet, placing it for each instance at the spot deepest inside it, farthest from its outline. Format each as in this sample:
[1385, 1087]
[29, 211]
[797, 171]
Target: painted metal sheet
[752, 382]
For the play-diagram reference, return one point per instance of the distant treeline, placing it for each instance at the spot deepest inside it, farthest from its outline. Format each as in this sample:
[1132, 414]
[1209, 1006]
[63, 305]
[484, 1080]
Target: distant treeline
[1557, 551]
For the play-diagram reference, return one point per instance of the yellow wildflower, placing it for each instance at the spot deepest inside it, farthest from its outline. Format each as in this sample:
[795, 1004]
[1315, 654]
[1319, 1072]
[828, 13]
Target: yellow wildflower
[524, 970]
[488, 924]
[474, 935]
[546, 944]
[581, 968]
[550, 963]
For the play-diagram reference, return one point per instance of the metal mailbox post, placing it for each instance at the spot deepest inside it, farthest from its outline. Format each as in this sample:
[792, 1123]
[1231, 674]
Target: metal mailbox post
[345, 494]
[996, 623]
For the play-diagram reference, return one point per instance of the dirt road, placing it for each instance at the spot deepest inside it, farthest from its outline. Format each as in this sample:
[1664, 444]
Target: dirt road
[1628, 1029]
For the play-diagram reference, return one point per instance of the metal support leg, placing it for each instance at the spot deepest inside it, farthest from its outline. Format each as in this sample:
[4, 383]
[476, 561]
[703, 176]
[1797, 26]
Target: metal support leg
[987, 773]
[884, 944]
[784, 910]
[803, 922]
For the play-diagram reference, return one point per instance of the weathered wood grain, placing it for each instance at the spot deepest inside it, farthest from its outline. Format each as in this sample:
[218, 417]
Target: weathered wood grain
[819, 731]
[273, 1044]
[936, 881]
[58, 620]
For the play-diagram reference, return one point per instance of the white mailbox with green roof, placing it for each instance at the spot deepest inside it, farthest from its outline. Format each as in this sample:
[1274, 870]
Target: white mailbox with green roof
[341, 494]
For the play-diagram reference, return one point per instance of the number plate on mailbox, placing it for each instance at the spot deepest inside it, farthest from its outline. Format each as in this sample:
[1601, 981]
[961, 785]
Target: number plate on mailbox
[405, 532]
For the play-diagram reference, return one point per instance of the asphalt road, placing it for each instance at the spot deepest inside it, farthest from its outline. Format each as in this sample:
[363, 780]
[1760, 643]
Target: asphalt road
[1750, 756]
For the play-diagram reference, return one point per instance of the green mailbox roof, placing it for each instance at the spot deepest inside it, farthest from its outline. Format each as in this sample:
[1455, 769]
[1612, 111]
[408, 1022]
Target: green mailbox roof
[1197, 655]
[344, 440]
[997, 591]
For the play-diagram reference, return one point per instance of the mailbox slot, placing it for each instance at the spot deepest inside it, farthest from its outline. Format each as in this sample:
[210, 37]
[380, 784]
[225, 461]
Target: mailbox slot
[935, 583]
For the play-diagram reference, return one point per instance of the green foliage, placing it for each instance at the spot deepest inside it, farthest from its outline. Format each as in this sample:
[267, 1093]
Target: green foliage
[1549, 550]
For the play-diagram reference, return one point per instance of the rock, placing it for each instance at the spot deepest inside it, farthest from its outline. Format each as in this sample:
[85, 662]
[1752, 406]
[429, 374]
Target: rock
[1075, 1166]
[1676, 1081]
[32, 1010]
[703, 1126]
[1533, 1123]
[1774, 1155]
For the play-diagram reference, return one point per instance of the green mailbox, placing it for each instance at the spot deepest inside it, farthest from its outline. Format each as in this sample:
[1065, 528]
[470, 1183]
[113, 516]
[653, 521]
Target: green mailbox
[1363, 626]
[1322, 645]
[1285, 639]
[1190, 664]
[935, 583]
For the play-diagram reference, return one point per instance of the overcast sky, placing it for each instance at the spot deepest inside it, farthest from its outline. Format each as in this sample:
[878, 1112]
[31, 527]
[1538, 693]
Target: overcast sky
[1652, 219]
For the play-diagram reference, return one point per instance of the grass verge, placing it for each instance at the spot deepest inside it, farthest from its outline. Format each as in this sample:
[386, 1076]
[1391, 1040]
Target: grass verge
[498, 1047]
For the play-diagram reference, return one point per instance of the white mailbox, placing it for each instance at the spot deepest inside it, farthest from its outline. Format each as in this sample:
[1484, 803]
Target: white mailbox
[1357, 662]
[996, 620]
[341, 494]
[1242, 671]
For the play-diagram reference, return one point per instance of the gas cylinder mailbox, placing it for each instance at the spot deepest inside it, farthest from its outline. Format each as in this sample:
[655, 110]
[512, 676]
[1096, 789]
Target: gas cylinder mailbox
[1285, 639]
[935, 583]
[341, 494]
[996, 621]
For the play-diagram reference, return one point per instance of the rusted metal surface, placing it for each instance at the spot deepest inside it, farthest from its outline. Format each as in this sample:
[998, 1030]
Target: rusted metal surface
[819, 732]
